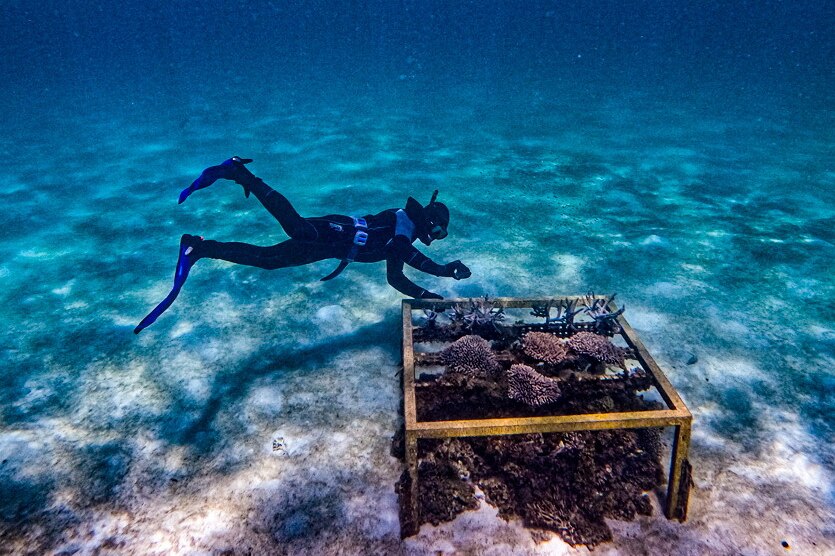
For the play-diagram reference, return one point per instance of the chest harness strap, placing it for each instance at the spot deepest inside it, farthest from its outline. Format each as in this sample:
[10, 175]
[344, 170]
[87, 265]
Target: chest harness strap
[360, 239]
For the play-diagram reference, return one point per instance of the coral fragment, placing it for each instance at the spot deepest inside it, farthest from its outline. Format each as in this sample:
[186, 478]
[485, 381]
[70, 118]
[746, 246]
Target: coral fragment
[598, 347]
[470, 356]
[526, 385]
[544, 347]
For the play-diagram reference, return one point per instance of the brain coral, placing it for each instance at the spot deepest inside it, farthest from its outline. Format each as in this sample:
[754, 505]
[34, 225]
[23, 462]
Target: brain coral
[597, 347]
[528, 386]
[470, 355]
[544, 347]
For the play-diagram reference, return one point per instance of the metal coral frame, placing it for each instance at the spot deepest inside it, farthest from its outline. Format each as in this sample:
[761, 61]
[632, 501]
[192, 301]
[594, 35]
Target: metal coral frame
[676, 415]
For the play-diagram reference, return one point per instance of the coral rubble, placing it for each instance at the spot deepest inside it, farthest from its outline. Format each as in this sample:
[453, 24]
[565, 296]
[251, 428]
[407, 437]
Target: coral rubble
[442, 491]
[567, 483]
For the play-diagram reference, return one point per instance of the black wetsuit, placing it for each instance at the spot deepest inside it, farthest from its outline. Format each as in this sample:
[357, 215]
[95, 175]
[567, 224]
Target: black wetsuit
[390, 234]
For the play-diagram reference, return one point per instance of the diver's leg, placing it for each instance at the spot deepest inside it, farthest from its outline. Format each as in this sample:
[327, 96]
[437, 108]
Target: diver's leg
[277, 204]
[288, 253]
[185, 261]
[193, 248]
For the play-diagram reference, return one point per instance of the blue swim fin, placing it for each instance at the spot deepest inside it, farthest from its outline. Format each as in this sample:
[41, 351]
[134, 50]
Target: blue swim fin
[184, 264]
[229, 169]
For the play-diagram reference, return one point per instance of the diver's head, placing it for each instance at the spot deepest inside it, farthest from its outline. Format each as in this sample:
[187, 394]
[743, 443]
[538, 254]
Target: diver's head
[431, 221]
[437, 220]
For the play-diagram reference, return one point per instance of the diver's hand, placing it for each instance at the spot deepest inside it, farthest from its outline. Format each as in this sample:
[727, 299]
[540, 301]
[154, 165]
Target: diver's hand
[457, 270]
[230, 169]
[430, 295]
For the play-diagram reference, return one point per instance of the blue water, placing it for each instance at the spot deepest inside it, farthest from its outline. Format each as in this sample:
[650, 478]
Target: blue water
[680, 154]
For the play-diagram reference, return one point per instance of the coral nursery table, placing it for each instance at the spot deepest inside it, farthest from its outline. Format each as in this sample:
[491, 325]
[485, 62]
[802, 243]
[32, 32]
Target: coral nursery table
[675, 414]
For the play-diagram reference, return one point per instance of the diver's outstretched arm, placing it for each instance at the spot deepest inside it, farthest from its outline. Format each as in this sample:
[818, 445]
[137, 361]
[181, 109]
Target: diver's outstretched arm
[403, 249]
[398, 280]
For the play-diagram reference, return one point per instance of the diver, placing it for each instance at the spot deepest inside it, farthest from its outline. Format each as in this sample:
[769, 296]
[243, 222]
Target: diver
[387, 235]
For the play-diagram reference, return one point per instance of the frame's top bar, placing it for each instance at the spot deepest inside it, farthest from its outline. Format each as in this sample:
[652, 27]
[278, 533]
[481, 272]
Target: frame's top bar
[507, 302]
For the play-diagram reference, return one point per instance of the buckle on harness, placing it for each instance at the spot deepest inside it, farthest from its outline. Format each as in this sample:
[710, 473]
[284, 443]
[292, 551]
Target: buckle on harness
[360, 239]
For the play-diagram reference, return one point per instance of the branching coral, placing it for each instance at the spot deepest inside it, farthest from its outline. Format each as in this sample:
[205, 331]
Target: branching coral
[479, 313]
[431, 317]
[598, 309]
[470, 355]
[598, 348]
[528, 386]
[565, 308]
[544, 347]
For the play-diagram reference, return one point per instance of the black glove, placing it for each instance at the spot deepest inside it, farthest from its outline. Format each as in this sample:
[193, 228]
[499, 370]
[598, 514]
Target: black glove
[430, 295]
[457, 270]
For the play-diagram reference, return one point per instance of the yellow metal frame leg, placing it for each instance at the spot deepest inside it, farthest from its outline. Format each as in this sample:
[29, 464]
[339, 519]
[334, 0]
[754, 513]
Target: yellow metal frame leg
[679, 485]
